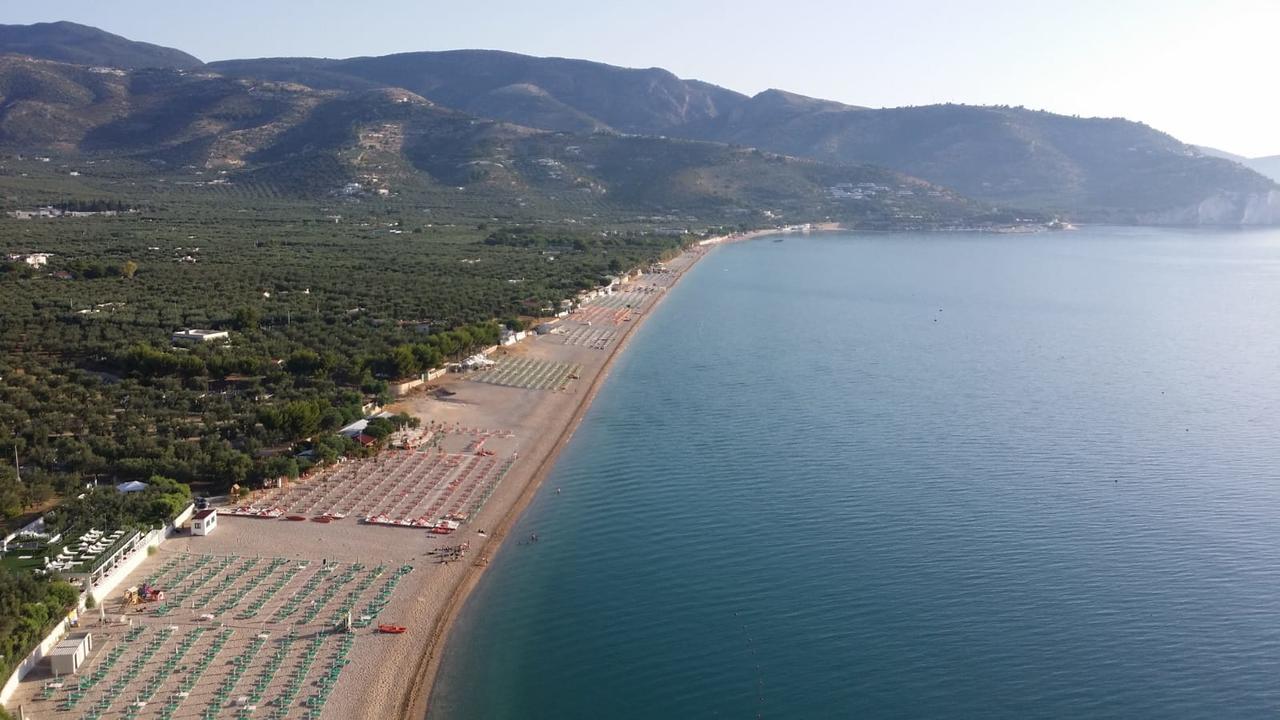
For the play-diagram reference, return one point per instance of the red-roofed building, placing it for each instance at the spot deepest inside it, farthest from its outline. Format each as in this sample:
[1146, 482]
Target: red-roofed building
[203, 522]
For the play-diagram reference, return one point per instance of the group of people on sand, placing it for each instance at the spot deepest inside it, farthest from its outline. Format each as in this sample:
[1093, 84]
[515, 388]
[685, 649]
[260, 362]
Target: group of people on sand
[448, 554]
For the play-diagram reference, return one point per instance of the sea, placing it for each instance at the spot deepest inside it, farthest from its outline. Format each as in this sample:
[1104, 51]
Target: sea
[912, 476]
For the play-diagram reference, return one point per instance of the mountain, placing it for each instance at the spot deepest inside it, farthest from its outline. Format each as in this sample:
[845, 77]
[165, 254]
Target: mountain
[1214, 152]
[1099, 169]
[84, 45]
[547, 93]
[1269, 166]
[203, 130]
[1091, 169]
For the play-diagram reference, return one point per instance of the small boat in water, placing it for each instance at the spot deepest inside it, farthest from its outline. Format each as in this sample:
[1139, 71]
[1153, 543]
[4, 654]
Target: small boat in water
[391, 629]
[296, 518]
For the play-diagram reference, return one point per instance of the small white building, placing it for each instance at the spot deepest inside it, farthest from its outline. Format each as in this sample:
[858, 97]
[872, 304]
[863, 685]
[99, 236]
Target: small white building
[477, 362]
[511, 337]
[35, 260]
[192, 335]
[68, 655]
[204, 522]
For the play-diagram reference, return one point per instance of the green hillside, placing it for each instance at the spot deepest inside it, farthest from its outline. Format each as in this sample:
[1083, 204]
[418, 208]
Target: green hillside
[1101, 169]
[158, 130]
[84, 45]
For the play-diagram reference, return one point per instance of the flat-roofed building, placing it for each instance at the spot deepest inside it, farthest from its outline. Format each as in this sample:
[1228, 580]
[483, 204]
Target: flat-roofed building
[67, 656]
[192, 335]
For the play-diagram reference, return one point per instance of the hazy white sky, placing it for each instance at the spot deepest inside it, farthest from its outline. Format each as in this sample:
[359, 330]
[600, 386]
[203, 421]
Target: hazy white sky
[1205, 71]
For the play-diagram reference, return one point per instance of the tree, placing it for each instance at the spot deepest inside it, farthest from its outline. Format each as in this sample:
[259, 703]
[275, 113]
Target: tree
[403, 362]
[379, 428]
[246, 319]
[294, 420]
[166, 498]
[305, 362]
[280, 466]
[128, 268]
[427, 356]
[11, 501]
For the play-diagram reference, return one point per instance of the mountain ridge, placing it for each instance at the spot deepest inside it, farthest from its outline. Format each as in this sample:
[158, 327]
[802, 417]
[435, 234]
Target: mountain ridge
[206, 130]
[86, 45]
[1268, 166]
[1088, 169]
[652, 99]
[1093, 169]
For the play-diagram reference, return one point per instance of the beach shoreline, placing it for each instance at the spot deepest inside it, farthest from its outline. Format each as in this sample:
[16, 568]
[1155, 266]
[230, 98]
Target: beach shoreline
[417, 698]
[488, 438]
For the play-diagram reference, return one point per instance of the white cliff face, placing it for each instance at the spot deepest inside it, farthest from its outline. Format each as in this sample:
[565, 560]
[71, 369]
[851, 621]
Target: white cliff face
[1262, 208]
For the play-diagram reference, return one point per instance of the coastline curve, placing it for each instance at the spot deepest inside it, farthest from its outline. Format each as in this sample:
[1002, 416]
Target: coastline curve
[415, 703]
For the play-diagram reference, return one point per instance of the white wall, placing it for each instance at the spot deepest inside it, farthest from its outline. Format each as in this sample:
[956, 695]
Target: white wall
[184, 516]
[112, 580]
[33, 659]
[404, 388]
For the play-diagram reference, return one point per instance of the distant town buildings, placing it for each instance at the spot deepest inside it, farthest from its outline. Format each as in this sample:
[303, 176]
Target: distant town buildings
[859, 191]
[49, 211]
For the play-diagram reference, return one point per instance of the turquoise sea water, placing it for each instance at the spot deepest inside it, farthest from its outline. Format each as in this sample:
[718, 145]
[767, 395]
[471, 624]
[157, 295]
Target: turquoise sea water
[911, 476]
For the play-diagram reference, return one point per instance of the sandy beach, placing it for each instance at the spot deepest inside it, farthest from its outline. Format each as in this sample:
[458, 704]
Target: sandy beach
[556, 418]
[260, 578]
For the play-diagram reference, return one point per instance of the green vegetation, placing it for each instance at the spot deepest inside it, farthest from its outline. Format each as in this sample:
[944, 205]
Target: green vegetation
[321, 315]
[72, 42]
[104, 507]
[29, 607]
[144, 138]
[1098, 169]
[343, 240]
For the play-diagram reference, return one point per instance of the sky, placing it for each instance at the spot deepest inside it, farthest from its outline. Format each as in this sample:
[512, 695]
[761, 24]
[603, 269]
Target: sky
[1202, 70]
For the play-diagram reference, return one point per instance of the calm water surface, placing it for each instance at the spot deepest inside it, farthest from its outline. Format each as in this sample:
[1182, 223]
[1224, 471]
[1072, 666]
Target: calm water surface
[911, 476]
